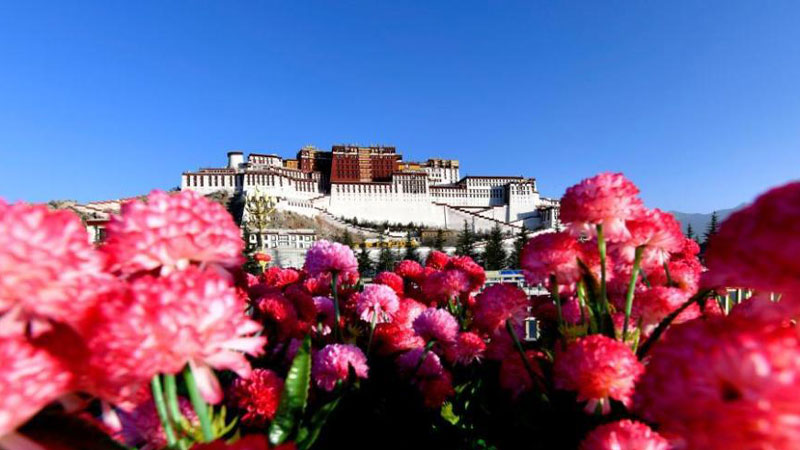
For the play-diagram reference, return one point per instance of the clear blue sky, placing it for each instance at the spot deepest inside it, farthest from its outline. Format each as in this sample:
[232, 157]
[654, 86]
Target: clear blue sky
[697, 102]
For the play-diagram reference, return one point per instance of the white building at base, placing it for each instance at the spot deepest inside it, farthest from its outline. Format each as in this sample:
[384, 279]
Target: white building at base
[374, 184]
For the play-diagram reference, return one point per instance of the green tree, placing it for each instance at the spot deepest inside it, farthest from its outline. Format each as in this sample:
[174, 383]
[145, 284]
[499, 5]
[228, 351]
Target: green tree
[495, 257]
[438, 241]
[346, 239]
[466, 242]
[711, 230]
[411, 249]
[522, 238]
[689, 231]
[386, 257]
[365, 265]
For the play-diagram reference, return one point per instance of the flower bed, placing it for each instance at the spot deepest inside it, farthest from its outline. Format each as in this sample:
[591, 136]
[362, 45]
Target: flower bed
[158, 338]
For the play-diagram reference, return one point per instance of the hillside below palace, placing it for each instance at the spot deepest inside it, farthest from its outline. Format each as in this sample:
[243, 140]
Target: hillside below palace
[375, 184]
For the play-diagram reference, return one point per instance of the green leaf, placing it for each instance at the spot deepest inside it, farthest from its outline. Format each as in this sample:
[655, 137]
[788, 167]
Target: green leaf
[294, 397]
[307, 436]
[448, 414]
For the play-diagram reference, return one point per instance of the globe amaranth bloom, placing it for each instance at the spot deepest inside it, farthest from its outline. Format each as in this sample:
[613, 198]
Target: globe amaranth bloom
[607, 199]
[436, 324]
[257, 396]
[757, 247]
[163, 323]
[624, 435]
[551, 254]
[332, 364]
[597, 368]
[498, 303]
[171, 231]
[377, 302]
[725, 382]
[325, 257]
[48, 269]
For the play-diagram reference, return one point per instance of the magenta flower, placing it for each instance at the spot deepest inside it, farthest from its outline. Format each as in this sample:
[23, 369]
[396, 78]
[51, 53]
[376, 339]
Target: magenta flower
[332, 364]
[436, 324]
[327, 257]
[624, 435]
[377, 302]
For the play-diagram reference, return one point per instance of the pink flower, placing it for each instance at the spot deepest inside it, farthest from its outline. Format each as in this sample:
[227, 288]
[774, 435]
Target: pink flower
[498, 303]
[437, 260]
[607, 199]
[325, 314]
[597, 368]
[475, 273]
[757, 247]
[171, 231]
[655, 230]
[332, 364]
[514, 376]
[328, 257]
[258, 396]
[654, 304]
[467, 348]
[30, 378]
[436, 324]
[551, 254]
[445, 285]
[430, 367]
[725, 382]
[624, 435]
[411, 270]
[189, 317]
[48, 269]
[390, 279]
[408, 311]
[377, 302]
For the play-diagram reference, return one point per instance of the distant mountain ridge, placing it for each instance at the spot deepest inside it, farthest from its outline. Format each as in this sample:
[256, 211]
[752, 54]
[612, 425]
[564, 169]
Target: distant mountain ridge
[700, 221]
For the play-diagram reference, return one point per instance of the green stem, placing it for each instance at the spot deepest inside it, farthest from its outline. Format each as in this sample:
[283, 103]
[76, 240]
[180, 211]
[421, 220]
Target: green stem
[161, 408]
[198, 404]
[520, 350]
[371, 331]
[601, 248]
[171, 392]
[637, 260]
[337, 332]
[557, 300]
[422, 357]
[644, 278]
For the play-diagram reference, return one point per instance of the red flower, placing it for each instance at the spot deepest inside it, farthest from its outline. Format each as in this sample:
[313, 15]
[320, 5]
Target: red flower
[437, 260]
[757, 247]
[258, 396]
[48, 269]
[411, 270]
[467, 348]
[514, 377]
[624, 435]
[436, 390]
[171, 231]
[597, 368]
[498, 303]
[445, 285]
[607, 199]
[475, 273]
[725, 382]
[262, 257]
[390, 279]
[249, 442]
[279, 311]
[551, 254]
[277, 277]
[393, 338]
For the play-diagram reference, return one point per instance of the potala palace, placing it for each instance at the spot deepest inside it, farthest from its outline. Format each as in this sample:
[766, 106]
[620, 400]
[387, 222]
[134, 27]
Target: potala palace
[375, 184]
